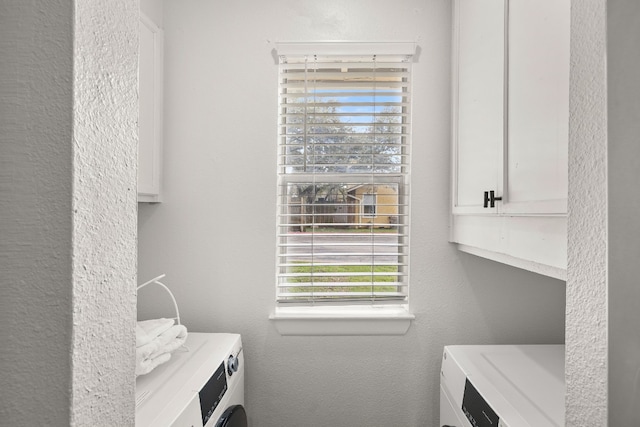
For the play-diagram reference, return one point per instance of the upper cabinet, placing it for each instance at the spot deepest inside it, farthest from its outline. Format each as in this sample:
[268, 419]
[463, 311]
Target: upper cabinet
[510, 99]
[150, 118]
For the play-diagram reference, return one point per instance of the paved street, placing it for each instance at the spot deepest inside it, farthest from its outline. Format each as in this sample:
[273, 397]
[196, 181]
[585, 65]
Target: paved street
[342, 245]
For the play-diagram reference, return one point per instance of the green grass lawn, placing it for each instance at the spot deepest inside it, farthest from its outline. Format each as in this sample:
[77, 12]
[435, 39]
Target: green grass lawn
[306, 269]
[365, 280]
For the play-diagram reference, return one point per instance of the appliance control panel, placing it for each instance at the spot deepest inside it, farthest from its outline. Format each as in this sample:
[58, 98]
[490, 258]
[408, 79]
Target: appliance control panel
[476, 409]
[212, 393]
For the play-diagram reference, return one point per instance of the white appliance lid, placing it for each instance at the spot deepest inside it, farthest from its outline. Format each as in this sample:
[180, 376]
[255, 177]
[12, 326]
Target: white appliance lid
[524, 384]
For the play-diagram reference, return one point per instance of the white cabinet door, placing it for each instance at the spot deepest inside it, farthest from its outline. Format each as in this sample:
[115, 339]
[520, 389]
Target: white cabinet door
[478, 101]
[150, 113]
[538, 107]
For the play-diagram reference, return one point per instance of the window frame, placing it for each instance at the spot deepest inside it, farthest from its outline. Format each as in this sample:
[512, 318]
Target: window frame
[346, 319]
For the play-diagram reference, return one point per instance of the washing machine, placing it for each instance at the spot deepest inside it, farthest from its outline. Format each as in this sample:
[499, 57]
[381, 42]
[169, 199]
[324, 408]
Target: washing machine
[201, 386]
[502, 386]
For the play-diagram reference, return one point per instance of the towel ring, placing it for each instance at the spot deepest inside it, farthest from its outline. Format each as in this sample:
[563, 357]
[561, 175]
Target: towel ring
[156, 281]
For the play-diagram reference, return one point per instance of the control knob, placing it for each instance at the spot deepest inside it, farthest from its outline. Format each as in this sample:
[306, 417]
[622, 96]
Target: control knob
[233, 363]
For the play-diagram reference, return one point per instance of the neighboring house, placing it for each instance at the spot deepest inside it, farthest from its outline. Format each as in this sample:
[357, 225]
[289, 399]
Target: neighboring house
[377, 204]
[358, 206]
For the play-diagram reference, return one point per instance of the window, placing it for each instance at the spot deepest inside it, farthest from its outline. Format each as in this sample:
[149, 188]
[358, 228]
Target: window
[343, 178]
[369, 205]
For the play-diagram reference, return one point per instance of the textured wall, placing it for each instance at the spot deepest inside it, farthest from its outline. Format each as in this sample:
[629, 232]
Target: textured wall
[36, 71]
[586, 322]
[623, 63]
[214, 233]
[104, 211]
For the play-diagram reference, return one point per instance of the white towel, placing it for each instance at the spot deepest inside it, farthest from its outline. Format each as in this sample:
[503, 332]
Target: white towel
[159, 350]
[148, 365]
[170, 340]
[148, 330]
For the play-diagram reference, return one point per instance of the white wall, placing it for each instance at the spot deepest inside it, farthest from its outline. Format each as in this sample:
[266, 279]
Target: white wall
[68, 113]
[36, 99]
[623, 62]
[586, 331]
[154, 10]
[105, 143]
[214, 234]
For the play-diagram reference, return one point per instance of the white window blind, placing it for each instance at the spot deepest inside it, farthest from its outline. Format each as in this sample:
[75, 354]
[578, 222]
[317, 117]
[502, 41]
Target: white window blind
[343, 178]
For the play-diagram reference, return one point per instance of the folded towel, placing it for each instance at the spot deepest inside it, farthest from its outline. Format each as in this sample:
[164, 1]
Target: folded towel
[148, 330]
[159, 350]
[170, 340]
[148, 365]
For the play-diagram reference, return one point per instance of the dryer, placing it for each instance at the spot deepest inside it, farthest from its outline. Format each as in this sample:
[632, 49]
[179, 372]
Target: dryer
[502, 386]
[202, 385]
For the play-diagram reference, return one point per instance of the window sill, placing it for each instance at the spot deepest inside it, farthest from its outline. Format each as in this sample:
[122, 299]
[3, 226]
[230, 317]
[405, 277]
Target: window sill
[326, 321]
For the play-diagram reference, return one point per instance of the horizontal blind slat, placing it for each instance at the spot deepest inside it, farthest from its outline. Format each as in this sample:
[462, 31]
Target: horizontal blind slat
[340, 296]
[340, 285]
